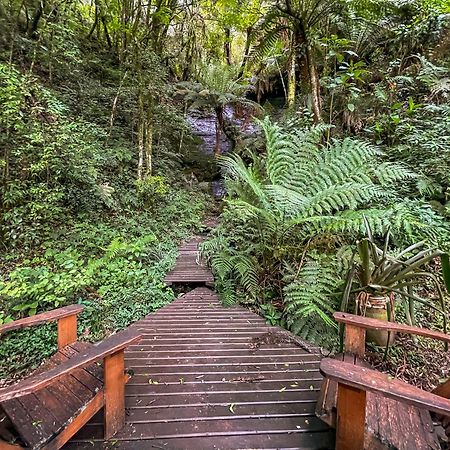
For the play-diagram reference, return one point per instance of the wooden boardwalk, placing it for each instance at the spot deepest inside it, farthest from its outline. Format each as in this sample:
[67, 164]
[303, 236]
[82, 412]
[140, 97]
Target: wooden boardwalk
[209, 377]
[189, 269]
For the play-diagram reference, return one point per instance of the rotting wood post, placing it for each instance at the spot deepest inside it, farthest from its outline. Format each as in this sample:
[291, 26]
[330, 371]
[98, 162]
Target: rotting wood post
[114, 368]
[355, 340]
[67, 331]
[351, 418]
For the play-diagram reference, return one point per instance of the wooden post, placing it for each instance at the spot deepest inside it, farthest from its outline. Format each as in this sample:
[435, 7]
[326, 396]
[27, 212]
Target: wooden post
[443, 390]
[67, 331]
[351, 418]
[355, 340]
[114, 368]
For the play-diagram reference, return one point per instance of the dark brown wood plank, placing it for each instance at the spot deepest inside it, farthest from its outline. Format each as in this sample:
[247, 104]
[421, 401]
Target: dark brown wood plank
[381, 383]
[305, 441]
[188, 267]
[42, 318]
[205, 376]
[29, 431]
[96, 352]
[366, 322]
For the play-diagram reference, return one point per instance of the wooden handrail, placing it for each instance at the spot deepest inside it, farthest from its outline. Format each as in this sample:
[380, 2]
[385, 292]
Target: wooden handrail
[111, 346]
[352, 384]
[370, 380]
[39, 319]
[366, 322]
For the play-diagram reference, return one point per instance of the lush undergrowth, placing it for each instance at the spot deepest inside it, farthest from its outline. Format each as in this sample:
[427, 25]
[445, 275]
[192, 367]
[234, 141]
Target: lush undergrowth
[303, 199]
[78, 223]
[115, 269]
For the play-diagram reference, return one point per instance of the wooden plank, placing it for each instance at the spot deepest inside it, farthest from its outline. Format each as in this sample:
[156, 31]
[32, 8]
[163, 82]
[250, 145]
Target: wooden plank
[373, 381]
[251, 440]
[107, 347]
[351, 413]
[42, 318]
[79, 421]
[212, 427]
[365, 322]
[224, 379]
[29, 431]
[67, 331]
[114, 367]
[355, 340]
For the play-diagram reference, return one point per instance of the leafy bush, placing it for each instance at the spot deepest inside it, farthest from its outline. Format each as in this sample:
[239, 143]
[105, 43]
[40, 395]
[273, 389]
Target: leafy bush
[151, 189]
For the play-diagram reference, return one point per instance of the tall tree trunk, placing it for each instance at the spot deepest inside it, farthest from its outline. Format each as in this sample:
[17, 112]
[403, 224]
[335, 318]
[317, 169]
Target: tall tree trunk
[248, 41]
[292, 81]
[314, 83]
[141, 136]
[32, 32]
[227, 46]
[149, 145]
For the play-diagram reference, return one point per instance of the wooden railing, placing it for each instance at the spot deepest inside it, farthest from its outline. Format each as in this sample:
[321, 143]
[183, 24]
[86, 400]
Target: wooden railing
[354, 381]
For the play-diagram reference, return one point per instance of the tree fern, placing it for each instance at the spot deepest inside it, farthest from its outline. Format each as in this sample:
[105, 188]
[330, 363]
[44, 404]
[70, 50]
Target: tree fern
[304, 183]
[288, 211]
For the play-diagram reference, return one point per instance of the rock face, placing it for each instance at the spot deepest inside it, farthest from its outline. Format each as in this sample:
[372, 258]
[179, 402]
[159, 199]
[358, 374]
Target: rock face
[203, 124]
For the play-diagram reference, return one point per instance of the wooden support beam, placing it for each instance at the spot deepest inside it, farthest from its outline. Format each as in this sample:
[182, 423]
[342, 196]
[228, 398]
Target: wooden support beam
[351, 418]
[355, 340]
[114, 368]
[67, 331]
[42, 318]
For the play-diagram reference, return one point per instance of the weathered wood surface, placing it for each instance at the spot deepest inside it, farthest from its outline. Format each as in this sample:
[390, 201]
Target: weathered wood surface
[92, 354]
[366, 322]
[392, 415]
[209, 377]
[39, 319]
[40, 415]
[189, 268]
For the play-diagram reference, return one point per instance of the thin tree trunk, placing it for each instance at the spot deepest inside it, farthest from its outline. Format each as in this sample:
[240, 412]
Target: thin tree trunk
[105, 29]
[141, 137]
[314, 83]
[32, 32]
[248, 42]
[149, 146]
[292, 81]
[227, 46]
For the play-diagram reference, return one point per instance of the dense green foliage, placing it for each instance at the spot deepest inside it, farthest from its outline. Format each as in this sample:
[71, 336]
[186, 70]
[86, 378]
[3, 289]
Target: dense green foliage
[99, 166]
[292, 213]
[94, 165]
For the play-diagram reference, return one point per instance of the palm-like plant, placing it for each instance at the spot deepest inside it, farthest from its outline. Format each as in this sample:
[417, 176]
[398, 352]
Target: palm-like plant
[217, 89]
[301, 20]
[378, 278]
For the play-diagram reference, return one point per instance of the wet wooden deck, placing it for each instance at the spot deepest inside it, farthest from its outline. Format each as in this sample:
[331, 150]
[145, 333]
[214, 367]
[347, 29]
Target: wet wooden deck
[189, 268]
[209, 377]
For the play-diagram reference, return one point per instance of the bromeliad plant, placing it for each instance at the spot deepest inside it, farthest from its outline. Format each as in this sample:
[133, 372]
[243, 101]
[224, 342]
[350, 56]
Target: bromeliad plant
[378, 279]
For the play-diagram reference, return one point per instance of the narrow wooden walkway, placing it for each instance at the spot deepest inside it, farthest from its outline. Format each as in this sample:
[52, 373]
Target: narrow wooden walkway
[189, 269]
[209, 377]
